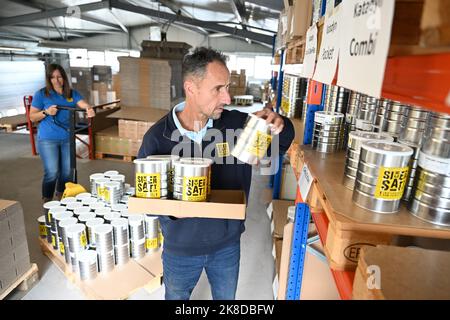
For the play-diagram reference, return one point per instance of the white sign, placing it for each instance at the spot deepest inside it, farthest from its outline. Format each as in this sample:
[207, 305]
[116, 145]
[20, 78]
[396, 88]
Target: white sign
[309, 62]
[305, 182]
[329, 48]
[365, 35]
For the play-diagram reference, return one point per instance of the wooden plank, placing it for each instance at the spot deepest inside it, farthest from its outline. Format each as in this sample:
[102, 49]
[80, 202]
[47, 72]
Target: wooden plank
[114, 157]
[23, 282]
[118, 284]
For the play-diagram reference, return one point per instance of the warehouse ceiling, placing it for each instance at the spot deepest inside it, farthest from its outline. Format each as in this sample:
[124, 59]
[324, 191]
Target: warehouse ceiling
[62, 20]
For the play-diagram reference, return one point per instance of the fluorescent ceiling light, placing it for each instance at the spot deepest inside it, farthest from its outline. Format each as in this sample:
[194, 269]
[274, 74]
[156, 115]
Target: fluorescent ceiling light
[11, 48]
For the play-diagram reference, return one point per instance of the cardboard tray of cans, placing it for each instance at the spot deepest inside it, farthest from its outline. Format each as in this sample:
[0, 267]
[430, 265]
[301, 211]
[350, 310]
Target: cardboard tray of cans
[223, 204]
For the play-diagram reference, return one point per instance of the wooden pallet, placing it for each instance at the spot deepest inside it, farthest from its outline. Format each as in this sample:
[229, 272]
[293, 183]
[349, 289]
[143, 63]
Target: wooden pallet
[118, 284]
[350, 227]
[24, 282]
[295, 51]
[11, 124]
[114, 157]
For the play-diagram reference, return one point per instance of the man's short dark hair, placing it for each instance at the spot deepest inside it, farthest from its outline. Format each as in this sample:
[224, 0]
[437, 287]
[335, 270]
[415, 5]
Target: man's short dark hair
[195, 63]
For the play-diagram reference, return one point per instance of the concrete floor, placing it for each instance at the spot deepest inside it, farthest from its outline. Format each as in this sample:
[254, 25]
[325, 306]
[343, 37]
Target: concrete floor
[21, 175]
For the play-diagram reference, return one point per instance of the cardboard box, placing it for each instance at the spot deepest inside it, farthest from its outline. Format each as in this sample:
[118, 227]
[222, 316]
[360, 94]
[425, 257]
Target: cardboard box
[344, 247]
[278, 243]
[138, 113]
[223, 204]
[300, 18]
[242, 80]
[398, 273]
[108, 142]
[102, 74]
[288, 189]
[234, 80]
[279, 216]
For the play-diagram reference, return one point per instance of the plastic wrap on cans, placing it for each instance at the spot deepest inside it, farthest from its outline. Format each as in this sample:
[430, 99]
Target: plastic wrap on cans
[151, 178]
[382, 176]
[191, 179]
[254, 140]
[92, 180]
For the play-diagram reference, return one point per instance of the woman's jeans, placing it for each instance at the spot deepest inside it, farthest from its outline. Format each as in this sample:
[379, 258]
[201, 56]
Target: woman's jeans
[55, 155]
[181, 273]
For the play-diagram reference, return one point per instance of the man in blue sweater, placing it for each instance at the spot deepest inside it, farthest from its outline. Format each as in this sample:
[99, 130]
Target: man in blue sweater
[194, 244]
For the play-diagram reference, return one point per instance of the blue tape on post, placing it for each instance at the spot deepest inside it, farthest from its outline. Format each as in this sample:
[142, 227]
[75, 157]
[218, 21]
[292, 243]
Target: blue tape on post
[309, 123]
[298, 252]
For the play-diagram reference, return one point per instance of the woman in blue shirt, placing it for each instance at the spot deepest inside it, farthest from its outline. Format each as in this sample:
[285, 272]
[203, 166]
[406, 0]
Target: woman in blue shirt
[53, 135]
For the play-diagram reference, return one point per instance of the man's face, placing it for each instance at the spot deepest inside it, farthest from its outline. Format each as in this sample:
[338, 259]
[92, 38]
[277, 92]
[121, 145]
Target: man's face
[210, 94]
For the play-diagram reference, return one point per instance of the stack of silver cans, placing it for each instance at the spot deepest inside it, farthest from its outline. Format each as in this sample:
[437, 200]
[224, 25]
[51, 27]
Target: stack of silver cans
[91, 224]
[328, 135]
[290, 101]
[121, 240]
[52, 212]
[77, 240]
[393, 117]
[254, 141]
[355, 141]
[431, 191]
[48, 216]
[104, 247]
[42, 227]
[191, 179]
[87, 263]
[151, 233]
[113, 192]
[336, 99]
[120, 178]
[413, 127]
[93, 182]
[57, 219]
[111, 216]
[171, 159]
[366, 113]
[151, 178]
[382, 176]
[63, 226]
[137, 236]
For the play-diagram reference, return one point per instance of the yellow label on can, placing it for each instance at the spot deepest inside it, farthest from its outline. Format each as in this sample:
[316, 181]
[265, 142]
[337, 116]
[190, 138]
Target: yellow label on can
[53, 241]
[222, 149]
[49, 217]
[148, 185]
[195, 188]
[391, 183]
[151, 243]
[209, 181]
[160, 238]
[106, 195]
[101, 192]
[83, 239]
[260, 144]
[285, 105]
[61, 248]
[42, 230]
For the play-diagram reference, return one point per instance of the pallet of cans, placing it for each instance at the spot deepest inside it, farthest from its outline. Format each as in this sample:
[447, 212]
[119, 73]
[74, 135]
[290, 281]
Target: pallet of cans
[97, 224]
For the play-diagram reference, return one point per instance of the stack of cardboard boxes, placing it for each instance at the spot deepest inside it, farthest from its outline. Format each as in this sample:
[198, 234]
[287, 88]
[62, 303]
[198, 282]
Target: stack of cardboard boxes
[238, 82]
[145, 83]
[125, 139]
[94, 84]
[14, 255]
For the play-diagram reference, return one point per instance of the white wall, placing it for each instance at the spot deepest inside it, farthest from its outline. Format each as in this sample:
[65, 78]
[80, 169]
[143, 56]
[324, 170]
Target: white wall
[17, 79]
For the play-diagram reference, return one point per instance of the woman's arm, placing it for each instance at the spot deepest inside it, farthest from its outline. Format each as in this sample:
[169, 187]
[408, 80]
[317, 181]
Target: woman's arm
[89, 110]
[37, 115]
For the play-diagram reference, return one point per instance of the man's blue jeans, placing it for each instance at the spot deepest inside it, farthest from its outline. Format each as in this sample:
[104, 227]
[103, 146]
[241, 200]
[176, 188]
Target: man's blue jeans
[181, 273]
[55, 155]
